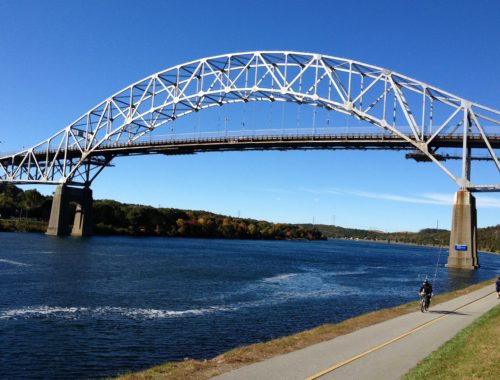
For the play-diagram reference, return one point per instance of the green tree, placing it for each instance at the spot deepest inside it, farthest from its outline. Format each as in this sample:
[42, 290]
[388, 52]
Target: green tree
[7, 205]
[30, 200]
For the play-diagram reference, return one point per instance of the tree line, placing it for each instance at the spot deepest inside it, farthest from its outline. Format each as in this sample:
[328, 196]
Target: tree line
[488, 239]
[112, 217]
[29, 211]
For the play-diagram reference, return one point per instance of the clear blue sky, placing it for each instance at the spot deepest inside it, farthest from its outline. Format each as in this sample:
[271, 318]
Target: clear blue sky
[60, 58]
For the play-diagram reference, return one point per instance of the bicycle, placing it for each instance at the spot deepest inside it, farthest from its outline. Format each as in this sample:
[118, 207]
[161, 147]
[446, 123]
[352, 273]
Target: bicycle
[425, 301]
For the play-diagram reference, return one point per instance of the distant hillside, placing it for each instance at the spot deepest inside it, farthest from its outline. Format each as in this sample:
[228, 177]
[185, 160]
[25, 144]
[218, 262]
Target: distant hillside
[29, 211]
[488, 238]
[111, 217]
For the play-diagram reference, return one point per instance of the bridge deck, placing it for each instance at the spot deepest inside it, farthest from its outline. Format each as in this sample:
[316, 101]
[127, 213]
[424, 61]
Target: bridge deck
[272, 142]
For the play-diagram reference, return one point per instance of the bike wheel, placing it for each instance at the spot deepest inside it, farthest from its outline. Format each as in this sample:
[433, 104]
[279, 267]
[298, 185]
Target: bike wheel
[422, 305]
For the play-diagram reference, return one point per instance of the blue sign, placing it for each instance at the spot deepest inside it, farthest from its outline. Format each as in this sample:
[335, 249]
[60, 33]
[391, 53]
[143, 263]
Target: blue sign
[460, 247]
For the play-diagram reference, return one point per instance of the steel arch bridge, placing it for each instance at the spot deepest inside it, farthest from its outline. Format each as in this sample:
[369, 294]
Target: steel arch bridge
[403, 113]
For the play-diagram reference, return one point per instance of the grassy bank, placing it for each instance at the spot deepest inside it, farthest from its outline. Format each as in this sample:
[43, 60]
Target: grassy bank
[22, 225]
[199, 370]
[473, 353]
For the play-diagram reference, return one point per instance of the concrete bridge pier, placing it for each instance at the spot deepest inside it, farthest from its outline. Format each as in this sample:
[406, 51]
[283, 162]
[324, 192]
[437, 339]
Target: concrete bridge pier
[463, 238]
[59, 223]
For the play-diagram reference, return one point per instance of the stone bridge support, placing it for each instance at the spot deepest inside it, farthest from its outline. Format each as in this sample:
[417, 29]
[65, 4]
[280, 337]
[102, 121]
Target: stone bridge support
[59, 223]
[463, 238]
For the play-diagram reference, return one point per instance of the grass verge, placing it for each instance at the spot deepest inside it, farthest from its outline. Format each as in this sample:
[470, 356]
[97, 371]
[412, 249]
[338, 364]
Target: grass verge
[22, 225]
[241, 356]
[473, 353]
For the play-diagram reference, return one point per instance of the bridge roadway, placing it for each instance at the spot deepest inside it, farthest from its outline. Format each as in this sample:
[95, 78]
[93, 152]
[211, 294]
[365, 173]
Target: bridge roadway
[193, 145]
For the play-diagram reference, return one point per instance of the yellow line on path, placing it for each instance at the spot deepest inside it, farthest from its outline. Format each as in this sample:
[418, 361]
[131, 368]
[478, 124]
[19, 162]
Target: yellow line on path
[353, 358]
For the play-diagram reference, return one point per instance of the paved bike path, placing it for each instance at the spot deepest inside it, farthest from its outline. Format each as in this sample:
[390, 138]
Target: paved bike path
[388, 362]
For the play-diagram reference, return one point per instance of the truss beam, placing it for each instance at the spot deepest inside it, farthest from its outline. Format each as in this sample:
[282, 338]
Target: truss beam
[391, 102]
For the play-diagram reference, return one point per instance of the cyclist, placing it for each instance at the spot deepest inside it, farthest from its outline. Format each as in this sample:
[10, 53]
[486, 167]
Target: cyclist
[426, 291]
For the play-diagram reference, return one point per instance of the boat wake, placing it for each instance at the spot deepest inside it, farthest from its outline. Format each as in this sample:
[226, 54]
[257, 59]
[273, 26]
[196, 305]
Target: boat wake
[12, 262]
[105, 312]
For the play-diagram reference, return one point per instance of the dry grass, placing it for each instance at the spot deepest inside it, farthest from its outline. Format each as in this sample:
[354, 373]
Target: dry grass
[473, 353]
[200, 370]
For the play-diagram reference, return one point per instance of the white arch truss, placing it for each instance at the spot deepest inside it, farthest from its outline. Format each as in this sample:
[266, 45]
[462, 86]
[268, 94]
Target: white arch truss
[410, 112]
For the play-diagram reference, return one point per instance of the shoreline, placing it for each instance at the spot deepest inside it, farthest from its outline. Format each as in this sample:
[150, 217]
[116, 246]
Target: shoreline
[253, 353]
[41, 226]
[410, 244]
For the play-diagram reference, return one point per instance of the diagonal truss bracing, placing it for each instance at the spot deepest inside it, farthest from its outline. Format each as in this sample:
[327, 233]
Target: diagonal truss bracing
[418, 114]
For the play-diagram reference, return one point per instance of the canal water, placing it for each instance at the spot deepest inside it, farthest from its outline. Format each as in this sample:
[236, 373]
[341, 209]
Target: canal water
[89, 308]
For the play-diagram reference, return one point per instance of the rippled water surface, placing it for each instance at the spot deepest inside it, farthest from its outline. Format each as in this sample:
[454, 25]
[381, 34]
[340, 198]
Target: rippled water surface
[80, 308]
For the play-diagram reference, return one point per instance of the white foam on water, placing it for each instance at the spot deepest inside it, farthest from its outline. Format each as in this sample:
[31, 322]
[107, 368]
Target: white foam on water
[104, 312]
[38, 311]
[341, 272]
[273, 290]
[348, 273]
[141, 313]
[12, 262]
[280, 278]
[309, 284]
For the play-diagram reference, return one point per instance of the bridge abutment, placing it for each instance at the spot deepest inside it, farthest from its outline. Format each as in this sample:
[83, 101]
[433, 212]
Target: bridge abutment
[463, 238]
[59, 223]
[59, 213]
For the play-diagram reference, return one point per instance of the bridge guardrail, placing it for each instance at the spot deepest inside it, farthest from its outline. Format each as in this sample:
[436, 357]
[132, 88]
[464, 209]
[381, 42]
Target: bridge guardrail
[255, 135]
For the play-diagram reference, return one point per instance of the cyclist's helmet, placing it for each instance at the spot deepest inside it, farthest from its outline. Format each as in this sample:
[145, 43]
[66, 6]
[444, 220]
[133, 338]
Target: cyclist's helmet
[426, 281]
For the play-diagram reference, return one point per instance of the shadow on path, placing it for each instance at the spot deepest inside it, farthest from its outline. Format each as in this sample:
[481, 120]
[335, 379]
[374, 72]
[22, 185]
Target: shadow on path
[446, 312]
